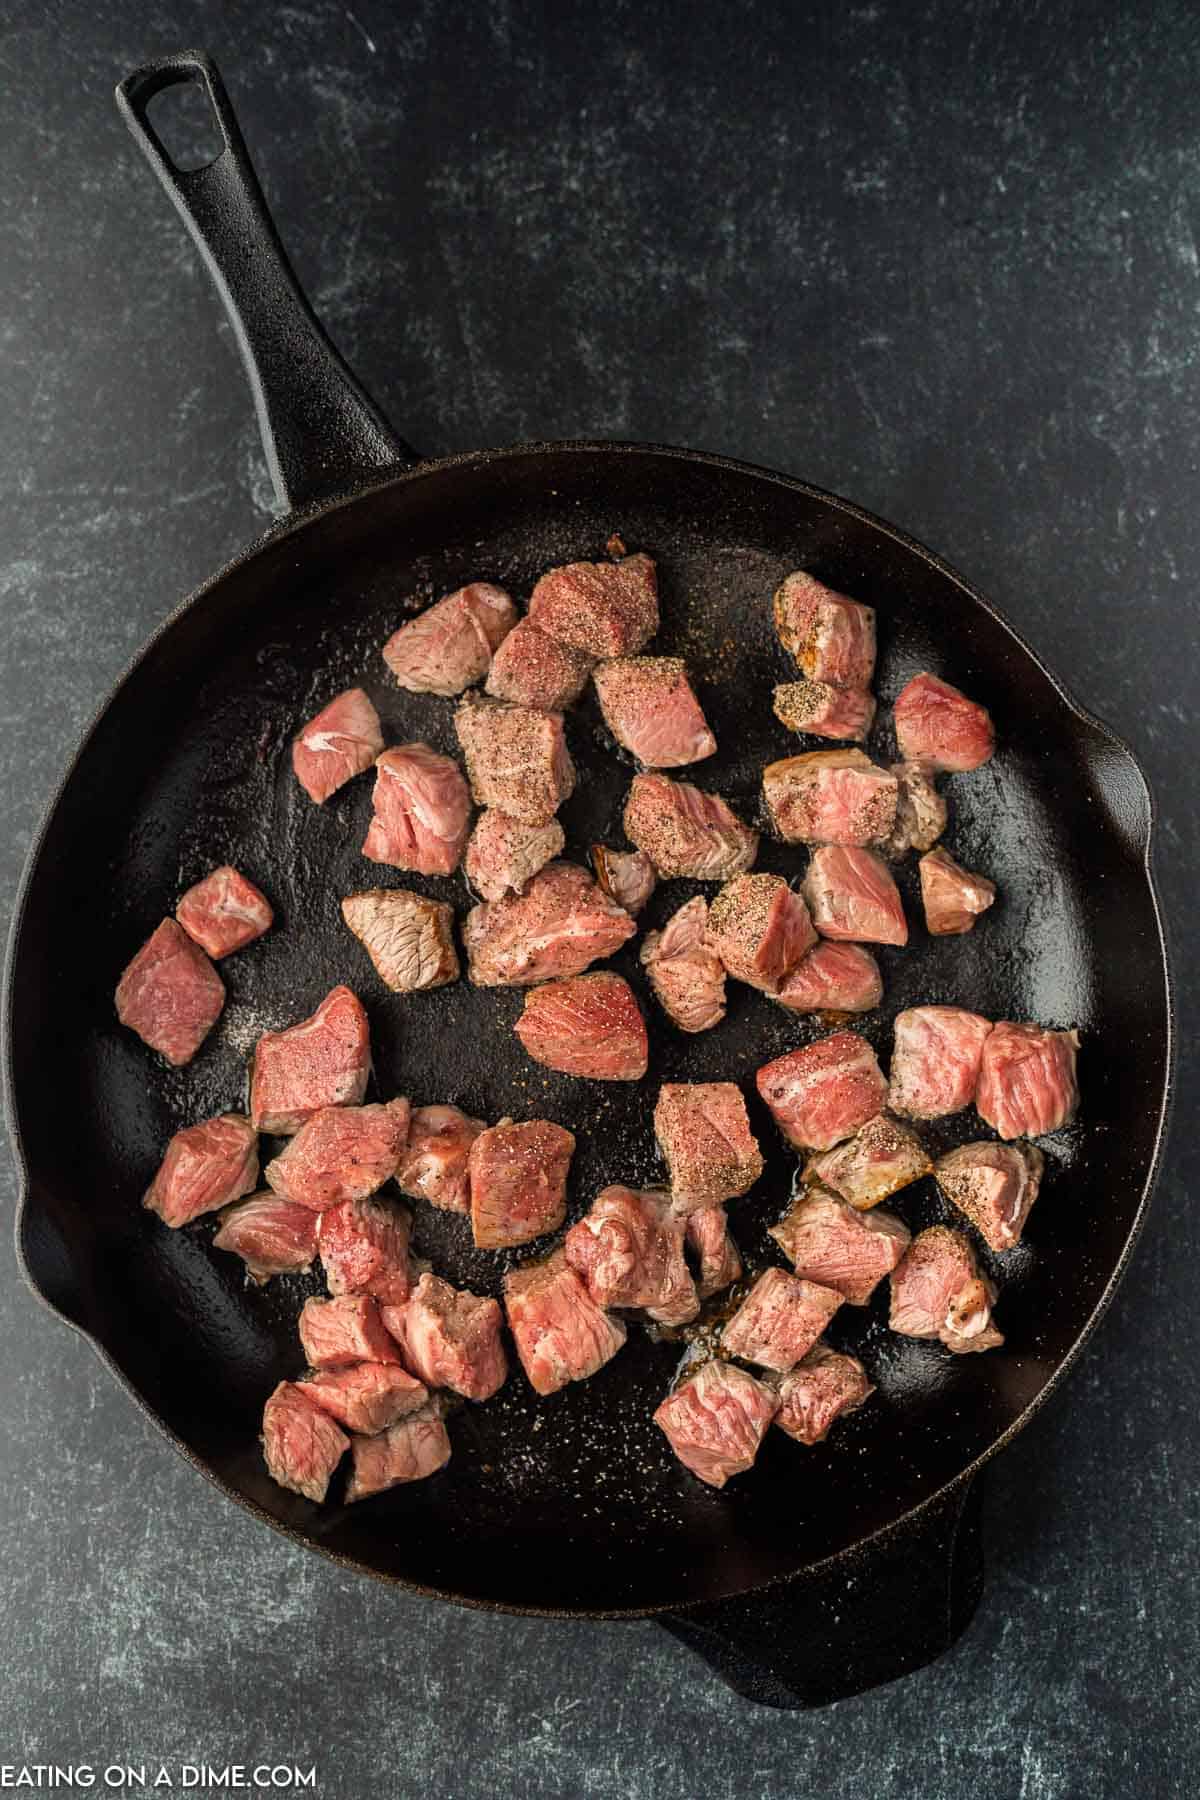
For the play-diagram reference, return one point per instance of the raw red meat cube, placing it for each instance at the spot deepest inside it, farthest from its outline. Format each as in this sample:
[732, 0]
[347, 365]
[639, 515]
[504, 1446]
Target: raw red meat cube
[824, 710]
[703, 1131]
[818, 1391]
[651, 709]
[341, 1153]
[342, 741]
[450, 645]
[450, 1338]
[367, 1397]
[823, 1093]
[879, 1160]
[952, 896]
[505, 853]
[224, 912]
[348, 1329]
[851, 896]
[205, 1167]
[833, 978]
[716, 1420]
[627, 876]
[938, 1292]
[518, 1181]
[760, 928]
[717, 1254]
[323, 1061]
[422, 811]
[687, 975]
[629, 1251]
[517, 758]
[687, 832]
[831, 637]
[995, 1185]
[587, 1025]
[830, 797]
[560, 1333]
[829, 1242]
[1027, 1084]
[411, 1450]
[272, 1236]
[409, 938]
[301, 1444]
[531, 669]
[780, 1320]
[920, 810]
[937, 725]
[170, 994]
[363, 1246]
[936, 1054]
[434, 1164]
[604, 609]
[559, 926]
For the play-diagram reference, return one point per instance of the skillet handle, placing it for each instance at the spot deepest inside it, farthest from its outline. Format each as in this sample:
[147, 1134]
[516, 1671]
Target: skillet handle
[321, 433]
[865, 1619]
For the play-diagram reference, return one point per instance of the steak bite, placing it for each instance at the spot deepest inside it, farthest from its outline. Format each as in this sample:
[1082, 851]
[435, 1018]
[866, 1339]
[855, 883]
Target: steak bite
[994, 1185]
[302, 1446]
[205, 1167]
[707, 1234]
[629, 1252]
[272, 1236]
[323, 1061]
[921, 812]
[518, 1176]
[433, 1165]
[953, 898]
[368, 1397]
[824, 1092]
[716, 1420]
[170, 994]
[342, 741]
[938, 1292]
[687, 975]
[532, 669]
[686, 832]
[936, 1054]
[852, 897]
[831, 637]
[450, 1338]
[828, 1242]
[760, 928]
[627, 876]
[938, 726]
[363, 1246]
[341, 1153]
[560, 925]
[505, 853]
[517, 758]
[603, 609]
[348, 1329]
[560, 1333]
[830, 797]
[879, 1160]
[824, 710]
[1027, 1084]
[703, 1131]
[409, 938]
[833, 978]
[422, 811]
[823, 1386]
[224, 912]
[780, 1320]
[449, 647]
[650, 707]
[411, 1450]
[586, 1025]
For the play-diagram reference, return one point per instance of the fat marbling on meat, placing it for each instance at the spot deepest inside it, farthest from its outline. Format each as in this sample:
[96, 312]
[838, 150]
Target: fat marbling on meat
[852, 897]
[938, 1292]
[685, 831]
[366, 1397]
[937, 725]
[532, 669]
[936, 1055]
[408, 937]
[224, 912]
[994, 1186]
[450, 1338]
[824, 1385]
[205, 1167]
[1027, 1080]
[363, 1245]
[833, 978]
[341, 742]
[716, 1420]
[780, 1320]
[880, 1159]
[824, 710]
[170, 994]
[347, 1329]
[718, 1264]
[559, 926]
[627, 876]
[824, 1092]
[560, 1333]
[302, 1444]
[504, 854]
[651, 709]
[323, 1061]
[517, 758]
[628, 1250]
[687, 975]
[586, 1025]
[422, 811]
[952, 896]
[518, 1175]
[411, 1450]
[341, 1153]
[829, 1242]
[434, 1164]
[830, 797]
[703, 1131]
[449, 647]
[760, 928]
[830, 636]
[602, 609]
[272, 1236]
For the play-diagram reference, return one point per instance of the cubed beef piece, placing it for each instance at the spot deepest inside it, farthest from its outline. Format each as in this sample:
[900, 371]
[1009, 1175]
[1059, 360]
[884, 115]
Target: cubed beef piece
[302, 1446]
[835, 978]
[517, 758]
[422, 811]
[780, 1320]
[760, 928]
[367, 1397]
[1027, 1083]
[825, 711]
[342, 741]
[936, 1054]
[879, 1160]
[831, 637]
[323, 1061]
[830, 797]
[411, 1450]
[603, 609]
[820, 1389]
[718, 1262]
[952, 896]
[938, 1292]
[505, 853]
[224, 912]
[348, 1329]
[560, 1333]
[518, 1176]
[650, 707]
[829, 1242]
[449, 647]
[170, 994]
[363, 1246]
[716, 1420]
[272, 1236]
[995, 1185]
[560, 925]
[341, 1153]
[532, 669]
[703, 1131]
[687, 832]
[434, 1163]
[629, 1251]
[687, 975]
[450, 1338]
[588, 1025]
[408, 937]
[921, 812]
[205, 1167]
[937, 725]
[824, 1092]
[852, 897]
[627, 876]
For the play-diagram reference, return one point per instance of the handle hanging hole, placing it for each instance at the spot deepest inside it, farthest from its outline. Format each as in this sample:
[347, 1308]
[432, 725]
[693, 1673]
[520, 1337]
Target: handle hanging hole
[182, 119]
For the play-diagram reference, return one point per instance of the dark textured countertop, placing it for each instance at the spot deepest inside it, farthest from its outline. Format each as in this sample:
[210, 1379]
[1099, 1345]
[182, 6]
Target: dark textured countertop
[941, 258]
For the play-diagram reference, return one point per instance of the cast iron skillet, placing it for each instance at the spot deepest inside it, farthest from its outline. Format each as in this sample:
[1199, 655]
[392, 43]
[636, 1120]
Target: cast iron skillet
[824, 1570]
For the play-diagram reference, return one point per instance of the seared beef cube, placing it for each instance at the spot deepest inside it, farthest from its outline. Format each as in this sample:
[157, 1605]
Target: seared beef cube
[205, 1167]
[830, 797]
[422, 811]
[831, 637]
[921, 812]
[224, 912]
[560, 1333]
[629, 1251]
[1027, 1083]
[449, 647]
[650, 708]
[532, 669]
[368, 1397]
[433, 1166]
[879, 1160]
[686, 832]
[348, 1329]
[587, 1025]
[518, 1181]
[301, 1444]
[818, 1391]
[760, 928]
[627, 876]
[450, 1338]
[687, 975]
[409, 938]
[323, 1061]
[716, 1253]
[517, 758]
[703, 1131]
[952, 896]
[170, 994]
[852, 897]
[824, 1092]
[937, 725]
[363, 1246]
[780, 1320]
[603, 609]
[833, 978]
[828, 1242]
[824, 710]
[995, 1185]
[559, 926]
[341, 1153]
[936, 1055]
[505, 853]
[716, 1420]
[938, 1292]
[272, 1236]
[342, 741]
[410, 1450]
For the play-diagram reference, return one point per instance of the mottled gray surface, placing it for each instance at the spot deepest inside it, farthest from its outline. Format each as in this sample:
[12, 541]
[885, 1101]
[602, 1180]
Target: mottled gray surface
[942, 258]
